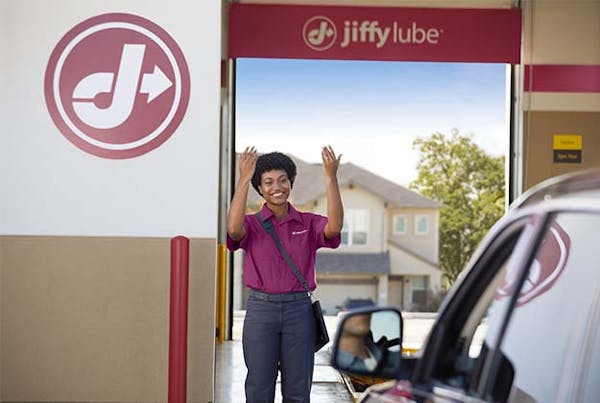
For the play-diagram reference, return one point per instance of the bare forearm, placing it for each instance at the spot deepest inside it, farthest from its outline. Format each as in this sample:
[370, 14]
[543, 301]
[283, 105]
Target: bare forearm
[237, 210]
[335, 209]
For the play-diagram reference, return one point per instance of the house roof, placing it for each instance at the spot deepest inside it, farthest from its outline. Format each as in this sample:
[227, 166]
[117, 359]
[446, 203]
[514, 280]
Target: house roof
[376, 263]
[353, 175]
[310, 186]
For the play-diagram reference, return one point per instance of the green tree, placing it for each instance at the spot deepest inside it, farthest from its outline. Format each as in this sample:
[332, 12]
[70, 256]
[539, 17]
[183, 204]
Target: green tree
[456, 172]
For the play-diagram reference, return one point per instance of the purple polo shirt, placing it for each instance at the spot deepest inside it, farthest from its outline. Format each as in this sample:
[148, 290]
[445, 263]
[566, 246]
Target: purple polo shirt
[301, 235]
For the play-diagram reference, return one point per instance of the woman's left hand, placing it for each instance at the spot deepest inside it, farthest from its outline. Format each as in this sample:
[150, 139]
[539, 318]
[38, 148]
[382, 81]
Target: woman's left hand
[330, 162]
[335, 210]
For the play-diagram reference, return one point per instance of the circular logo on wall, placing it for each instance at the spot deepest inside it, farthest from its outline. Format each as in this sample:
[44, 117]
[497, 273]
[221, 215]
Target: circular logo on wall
[117, 85]
[545, 270]
[319, 33]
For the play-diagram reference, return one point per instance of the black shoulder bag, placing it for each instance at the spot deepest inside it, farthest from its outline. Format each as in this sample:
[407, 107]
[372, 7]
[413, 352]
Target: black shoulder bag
[321, 335]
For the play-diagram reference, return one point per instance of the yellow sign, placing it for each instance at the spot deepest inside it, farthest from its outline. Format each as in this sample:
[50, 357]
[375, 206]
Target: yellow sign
[567, 142]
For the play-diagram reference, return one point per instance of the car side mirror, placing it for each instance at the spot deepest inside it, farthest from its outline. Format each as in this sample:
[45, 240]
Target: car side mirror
[368, 341]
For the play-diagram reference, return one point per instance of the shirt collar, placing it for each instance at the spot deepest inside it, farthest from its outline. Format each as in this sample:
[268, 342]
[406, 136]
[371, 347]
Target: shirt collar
[293, 214]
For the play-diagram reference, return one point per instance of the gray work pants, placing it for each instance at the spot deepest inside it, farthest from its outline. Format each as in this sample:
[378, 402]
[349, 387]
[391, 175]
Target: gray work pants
[278, 336]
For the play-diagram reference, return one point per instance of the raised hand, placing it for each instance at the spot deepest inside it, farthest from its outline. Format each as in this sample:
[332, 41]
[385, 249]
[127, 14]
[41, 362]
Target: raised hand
[237, 209]
[331, 163]
[335, 209]
[248, 163]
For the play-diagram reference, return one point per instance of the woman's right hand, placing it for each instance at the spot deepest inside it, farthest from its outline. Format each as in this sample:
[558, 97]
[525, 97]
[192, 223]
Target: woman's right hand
[248, 163]
[237, 209]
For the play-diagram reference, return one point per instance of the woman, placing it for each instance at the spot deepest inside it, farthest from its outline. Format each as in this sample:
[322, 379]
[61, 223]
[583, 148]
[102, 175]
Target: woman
[279, 328]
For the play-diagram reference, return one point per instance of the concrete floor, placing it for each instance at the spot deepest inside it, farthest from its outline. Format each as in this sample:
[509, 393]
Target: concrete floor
[328, 386]
[231, 373]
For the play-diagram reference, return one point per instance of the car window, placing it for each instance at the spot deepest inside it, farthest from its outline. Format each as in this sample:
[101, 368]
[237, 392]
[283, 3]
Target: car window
[481, 313]
[548, 332]
[471, 349]
[467, 318]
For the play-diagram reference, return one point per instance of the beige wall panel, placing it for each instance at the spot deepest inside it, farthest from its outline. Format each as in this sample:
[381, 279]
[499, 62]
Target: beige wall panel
[201, 320]
[1, 293]
[560, 101]
[563, 31]
[539, 164]
[87, 319]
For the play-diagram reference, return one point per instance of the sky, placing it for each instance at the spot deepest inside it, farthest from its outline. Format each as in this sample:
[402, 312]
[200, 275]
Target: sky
[370, 112]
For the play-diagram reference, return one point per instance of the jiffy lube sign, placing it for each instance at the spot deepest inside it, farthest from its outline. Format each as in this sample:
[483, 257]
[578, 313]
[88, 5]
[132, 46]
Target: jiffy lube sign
[320, 33]
[117, 85]
[375, 33]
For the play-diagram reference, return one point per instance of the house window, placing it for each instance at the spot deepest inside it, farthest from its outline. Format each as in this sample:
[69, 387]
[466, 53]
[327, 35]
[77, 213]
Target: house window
[356, 227]
[421, 224]
[400, 224]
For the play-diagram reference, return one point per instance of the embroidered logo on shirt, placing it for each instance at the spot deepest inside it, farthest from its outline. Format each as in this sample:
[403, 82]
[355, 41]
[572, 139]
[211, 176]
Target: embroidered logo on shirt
[299, 232]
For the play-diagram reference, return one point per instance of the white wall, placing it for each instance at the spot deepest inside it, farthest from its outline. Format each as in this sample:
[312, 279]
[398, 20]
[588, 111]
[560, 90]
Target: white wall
[51, 187]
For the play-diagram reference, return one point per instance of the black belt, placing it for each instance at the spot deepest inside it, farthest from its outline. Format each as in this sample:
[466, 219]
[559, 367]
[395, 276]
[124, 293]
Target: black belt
[283, 297]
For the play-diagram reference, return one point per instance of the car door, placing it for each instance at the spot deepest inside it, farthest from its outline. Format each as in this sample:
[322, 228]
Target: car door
[531, 319]
[549, 340]
[456, 361]
[522, 324]
[589, 388]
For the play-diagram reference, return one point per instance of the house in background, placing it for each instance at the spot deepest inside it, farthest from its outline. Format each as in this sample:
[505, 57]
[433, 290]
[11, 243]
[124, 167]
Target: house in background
[389, 249]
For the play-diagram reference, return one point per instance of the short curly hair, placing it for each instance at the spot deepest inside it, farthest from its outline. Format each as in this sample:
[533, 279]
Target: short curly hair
[271, 161]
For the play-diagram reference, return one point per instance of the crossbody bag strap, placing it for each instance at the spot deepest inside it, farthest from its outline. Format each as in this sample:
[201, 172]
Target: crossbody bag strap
[268, 226]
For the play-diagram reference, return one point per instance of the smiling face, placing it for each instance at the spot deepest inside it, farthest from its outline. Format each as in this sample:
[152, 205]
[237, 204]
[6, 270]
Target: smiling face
[275, 164]
[275, 187]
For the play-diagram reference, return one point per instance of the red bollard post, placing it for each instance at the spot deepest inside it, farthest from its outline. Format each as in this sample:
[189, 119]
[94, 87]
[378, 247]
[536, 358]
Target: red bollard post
[178, 316]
